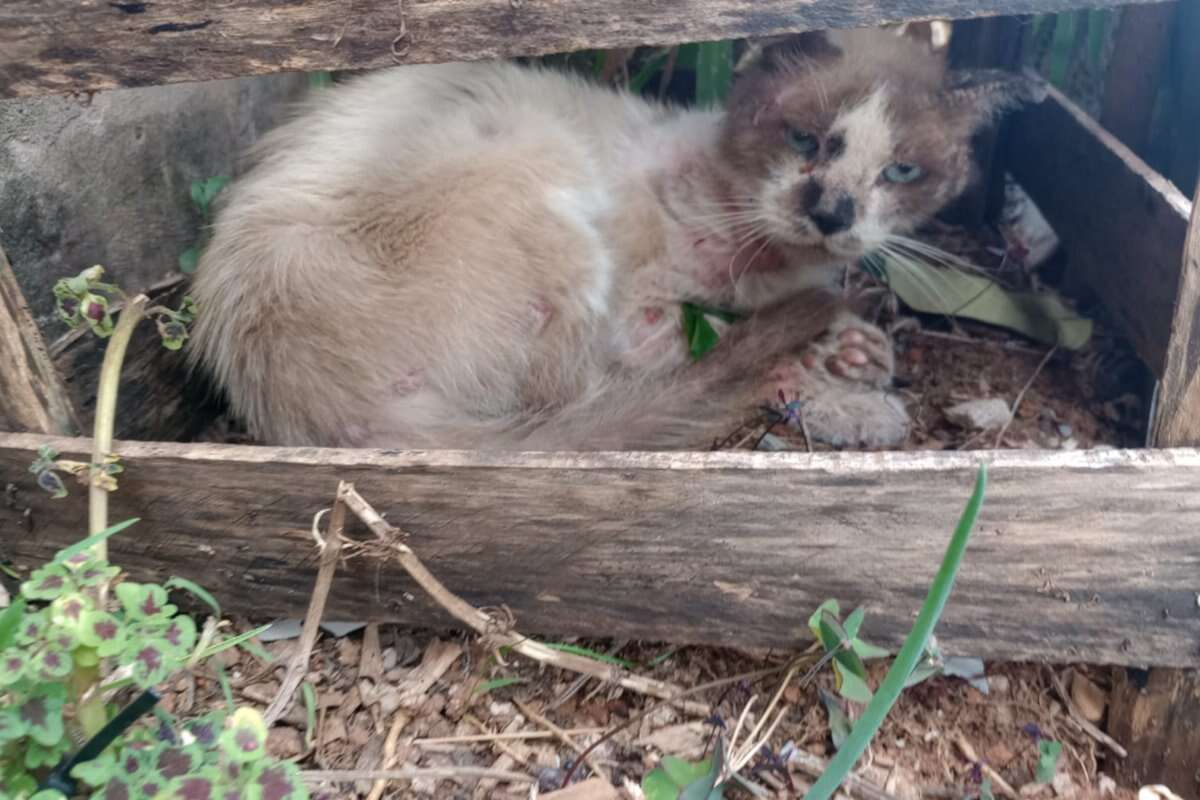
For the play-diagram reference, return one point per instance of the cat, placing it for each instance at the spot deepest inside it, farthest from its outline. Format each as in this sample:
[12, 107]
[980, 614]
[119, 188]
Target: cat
[489, 255]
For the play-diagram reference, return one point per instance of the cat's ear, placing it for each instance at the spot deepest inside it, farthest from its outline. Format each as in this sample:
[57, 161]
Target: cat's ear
[781, 53]
[980, 96]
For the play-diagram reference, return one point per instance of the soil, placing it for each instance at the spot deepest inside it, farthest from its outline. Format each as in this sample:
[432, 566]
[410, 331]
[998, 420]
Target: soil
[942, 740]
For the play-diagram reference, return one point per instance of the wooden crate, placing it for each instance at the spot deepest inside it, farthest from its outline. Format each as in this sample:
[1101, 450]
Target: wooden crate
[1088, 556]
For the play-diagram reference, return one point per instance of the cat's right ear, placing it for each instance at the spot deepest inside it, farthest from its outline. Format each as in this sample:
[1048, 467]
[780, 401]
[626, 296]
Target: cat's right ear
[781, 53]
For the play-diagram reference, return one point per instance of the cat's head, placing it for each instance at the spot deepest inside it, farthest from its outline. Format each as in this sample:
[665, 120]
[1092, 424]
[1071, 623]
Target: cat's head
[839, 140]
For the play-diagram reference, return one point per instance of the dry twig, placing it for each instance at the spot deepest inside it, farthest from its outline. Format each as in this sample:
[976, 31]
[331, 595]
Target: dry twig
[488, 627]
[316, 609]
[389, 752]
[1002, 786]
[562, 736]
[410, 773]
[1086, 726]
[1021, 394]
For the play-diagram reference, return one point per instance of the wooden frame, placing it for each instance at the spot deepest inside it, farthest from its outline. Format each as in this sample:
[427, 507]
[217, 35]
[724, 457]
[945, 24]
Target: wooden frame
[68, 46]
[702, 547]
[1085, 554]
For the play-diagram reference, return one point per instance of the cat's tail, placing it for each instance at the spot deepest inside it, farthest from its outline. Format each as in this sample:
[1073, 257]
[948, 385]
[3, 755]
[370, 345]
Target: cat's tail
[687, 409]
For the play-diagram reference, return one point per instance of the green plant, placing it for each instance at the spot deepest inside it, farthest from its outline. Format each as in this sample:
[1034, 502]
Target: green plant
[203, 194]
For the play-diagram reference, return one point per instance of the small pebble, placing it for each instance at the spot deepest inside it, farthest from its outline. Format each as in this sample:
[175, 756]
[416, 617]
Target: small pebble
[986, 414]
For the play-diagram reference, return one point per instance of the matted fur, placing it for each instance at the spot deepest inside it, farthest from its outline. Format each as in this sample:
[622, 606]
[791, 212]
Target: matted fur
[485, 255]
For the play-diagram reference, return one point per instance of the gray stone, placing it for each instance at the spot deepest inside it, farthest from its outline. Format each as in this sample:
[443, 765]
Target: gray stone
[986, 414]
[105, 178]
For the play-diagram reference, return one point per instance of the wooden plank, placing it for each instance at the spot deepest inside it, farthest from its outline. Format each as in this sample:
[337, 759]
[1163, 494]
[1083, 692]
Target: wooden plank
[1078, 556]
[1131, 84]
[32, 395]
[51, 46]
[1123, 225]
[1177, 421]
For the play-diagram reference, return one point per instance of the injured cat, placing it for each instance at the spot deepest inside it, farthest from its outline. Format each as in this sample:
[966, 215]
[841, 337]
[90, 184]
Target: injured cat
[491, 256]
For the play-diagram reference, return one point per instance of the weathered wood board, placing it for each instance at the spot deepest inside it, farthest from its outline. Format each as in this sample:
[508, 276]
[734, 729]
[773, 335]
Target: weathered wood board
[1178, 417]
[32, 394]
[1122, 223]
[51, 46]
[1078, 556]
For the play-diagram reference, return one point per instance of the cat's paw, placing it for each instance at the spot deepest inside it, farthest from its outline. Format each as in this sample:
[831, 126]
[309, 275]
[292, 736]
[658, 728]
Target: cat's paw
[860, 419]
[851, 350]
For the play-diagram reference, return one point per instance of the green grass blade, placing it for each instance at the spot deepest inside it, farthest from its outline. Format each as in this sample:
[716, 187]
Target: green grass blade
[496, 683]
[199, 592]
[310, 711]
[909, 656]
[592, 654]
[1097, 28]
[714, 73]
[1062, 47]
[233, 641]
[649, 68]
[94, 539]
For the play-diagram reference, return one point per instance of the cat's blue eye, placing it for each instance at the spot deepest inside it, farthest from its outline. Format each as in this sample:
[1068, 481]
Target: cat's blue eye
[803, 143]
[902, 173]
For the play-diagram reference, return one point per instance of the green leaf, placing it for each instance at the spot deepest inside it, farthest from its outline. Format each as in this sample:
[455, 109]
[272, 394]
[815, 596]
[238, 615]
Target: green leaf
[496, 683]
[150, 662]
[180, 635]
[985, 790]
[188, 260]
[705, 788]
[851, 686]
[103, 632]
[12, 726]
[592, 654]
[67, 612]
[12, 666]
[49, 794]
[1048, 753]
[657, 785]
[206, 730]
[33, 627]
[232, 641]
[205, 191]
[910, 653]
[98, 771]
[1040, 315]
[52, 664]
[42, 717]
[194, 589]
[714, 73]
[854, 622]
[202, 786]
[839, 722]
[245, 736]
[94, 539]
[700, 334]
[814, 622]
[116, 789]
[47, 583]
[144, 601]
[10, 622]
[834, 637]
[923, 672]
[867, 651]
[85, 656]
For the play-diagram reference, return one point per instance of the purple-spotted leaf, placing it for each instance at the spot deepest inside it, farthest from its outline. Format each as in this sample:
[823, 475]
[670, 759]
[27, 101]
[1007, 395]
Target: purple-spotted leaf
[98, 771]
[38, 756]
[12, 666]
[180, 635]
[11, 725]
[67, 611]
[32, 628]
[176, 762]
[115, 789]
[203, 730]
[77, 561]
[47, 583]
[42, 717]
[49, 794]
[103, 632]
[144, 600]
[52, 664]
[149, 662]
[95, 574]
[245, 736]
[275, 781]
[204, 785]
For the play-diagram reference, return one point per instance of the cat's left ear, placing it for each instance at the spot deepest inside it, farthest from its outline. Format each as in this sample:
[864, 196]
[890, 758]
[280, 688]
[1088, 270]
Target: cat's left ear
[981, 96]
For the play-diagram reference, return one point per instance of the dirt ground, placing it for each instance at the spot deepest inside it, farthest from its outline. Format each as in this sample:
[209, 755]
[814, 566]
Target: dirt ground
[391, 697]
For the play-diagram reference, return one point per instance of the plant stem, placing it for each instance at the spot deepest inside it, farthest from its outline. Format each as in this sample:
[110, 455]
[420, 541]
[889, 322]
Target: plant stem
[106, 412]
[91, 714]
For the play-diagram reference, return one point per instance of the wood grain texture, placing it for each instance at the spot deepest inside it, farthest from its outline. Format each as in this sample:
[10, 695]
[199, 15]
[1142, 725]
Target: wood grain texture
[1123, 225]
[1155, 717]
[1177, 421]
[32, 395]
[1078, 556]
[1131, 84]
[49, 46]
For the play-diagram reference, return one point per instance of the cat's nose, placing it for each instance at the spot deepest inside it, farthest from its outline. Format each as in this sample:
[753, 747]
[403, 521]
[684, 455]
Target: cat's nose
[839, 219]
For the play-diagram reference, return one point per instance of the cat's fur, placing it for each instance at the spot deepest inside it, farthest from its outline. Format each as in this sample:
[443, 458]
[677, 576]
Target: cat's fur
[485, 255]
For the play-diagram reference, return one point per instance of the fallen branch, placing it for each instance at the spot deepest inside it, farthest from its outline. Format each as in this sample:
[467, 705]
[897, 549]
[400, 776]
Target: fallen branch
[389, 752]
[500, 636]
[298, 667]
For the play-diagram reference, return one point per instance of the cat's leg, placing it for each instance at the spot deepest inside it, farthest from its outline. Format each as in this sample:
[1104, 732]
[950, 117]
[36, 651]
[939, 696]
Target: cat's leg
[841, 382]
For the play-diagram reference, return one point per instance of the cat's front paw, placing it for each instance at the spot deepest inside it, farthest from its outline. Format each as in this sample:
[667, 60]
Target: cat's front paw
[852, 350]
